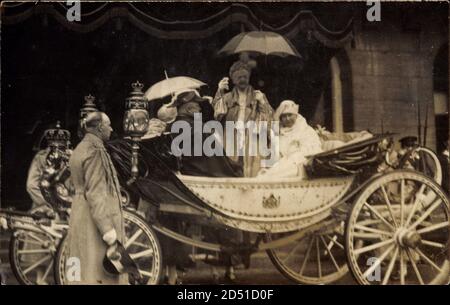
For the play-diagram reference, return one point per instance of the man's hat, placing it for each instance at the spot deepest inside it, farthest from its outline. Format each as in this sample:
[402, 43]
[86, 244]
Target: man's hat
[186, 96]
[118, 261]
[167, 113]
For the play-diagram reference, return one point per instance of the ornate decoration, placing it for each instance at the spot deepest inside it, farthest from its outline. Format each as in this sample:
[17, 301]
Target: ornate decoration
[136, 123]
[271, 202]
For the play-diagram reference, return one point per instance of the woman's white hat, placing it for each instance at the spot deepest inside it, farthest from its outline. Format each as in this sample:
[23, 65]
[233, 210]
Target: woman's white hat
[286, 106]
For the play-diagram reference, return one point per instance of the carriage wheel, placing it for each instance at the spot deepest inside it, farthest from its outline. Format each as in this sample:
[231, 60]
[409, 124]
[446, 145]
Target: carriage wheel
[31, 257]
[316, 259]
[426, 162]
[398, 231]
[142, 245]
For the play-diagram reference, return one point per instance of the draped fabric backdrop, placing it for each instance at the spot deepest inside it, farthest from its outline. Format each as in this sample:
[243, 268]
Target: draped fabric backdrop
[49, 64]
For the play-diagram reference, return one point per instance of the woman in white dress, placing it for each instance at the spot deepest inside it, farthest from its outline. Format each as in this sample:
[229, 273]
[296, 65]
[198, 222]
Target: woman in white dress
[297, 140]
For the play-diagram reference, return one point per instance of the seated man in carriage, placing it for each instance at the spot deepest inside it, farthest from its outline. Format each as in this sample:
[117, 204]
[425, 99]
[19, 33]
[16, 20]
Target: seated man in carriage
[181, 113]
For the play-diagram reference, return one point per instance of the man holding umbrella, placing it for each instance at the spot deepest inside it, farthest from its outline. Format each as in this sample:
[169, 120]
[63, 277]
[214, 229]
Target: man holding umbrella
[241, 105]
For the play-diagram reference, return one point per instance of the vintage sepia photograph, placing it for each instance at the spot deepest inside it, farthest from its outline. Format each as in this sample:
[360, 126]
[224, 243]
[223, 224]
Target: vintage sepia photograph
[224, 143]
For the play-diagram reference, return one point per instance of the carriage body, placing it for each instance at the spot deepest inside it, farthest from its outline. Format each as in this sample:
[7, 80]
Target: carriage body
[265, 205]
[270, 204]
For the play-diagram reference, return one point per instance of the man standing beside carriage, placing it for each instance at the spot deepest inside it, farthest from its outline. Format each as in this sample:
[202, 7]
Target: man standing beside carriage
[96, 221]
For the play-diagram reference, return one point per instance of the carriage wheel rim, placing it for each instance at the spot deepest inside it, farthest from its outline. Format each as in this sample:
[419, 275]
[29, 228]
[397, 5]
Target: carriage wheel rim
[322, 244]
[402, 246]
[153, 275]
[438, 168]
[19, 255]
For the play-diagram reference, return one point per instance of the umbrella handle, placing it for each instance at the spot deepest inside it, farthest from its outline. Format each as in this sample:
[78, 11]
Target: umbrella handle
[167, 77]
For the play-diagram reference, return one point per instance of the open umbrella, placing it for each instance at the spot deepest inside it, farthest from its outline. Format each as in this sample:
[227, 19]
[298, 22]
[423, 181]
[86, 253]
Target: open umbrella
[170, 86]
[268, 43]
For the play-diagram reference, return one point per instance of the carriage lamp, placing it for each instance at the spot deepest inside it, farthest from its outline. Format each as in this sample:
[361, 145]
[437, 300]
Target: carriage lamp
[135, 123]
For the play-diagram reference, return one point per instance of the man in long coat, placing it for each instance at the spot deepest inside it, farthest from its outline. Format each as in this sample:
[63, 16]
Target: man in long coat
[96, 220]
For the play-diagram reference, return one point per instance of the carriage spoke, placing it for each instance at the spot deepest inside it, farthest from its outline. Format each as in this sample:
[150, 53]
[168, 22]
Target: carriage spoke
[378, 261]
[138, 244]
[402, 268]
[416, 203]
[374, 211]
[331, 254]
[39, 262]
[402, 200]
[361, 235]
[44, 276]
[35, 237]
[416, 270]
[33, 251]
[133, 238]
[150, 276]
[148, 252]
[433, 244]
[434, 227]
[372, 230]
[146, 273]
[308, 251]
[390, 267]
[30, 242]
[370, 222]
[291, 252]
[428, 260]
[373, 246]
[319, 265]
[334, 241]
[430, 210]
[388, 203]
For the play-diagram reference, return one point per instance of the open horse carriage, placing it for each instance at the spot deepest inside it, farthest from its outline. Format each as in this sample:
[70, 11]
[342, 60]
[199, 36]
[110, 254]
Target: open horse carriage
[353, 213]
[385, 225]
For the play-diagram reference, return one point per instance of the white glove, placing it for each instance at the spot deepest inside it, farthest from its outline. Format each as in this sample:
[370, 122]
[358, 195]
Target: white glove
[3, 223]
[110, 237]
[259, 96]
[223, 84]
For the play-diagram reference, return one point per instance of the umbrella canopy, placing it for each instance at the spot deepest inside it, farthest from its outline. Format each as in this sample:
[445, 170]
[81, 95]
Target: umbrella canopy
[170, 86]
[267, 43]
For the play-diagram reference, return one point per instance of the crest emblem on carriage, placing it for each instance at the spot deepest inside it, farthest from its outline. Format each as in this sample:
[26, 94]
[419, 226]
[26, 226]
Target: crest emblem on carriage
[271, 202]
